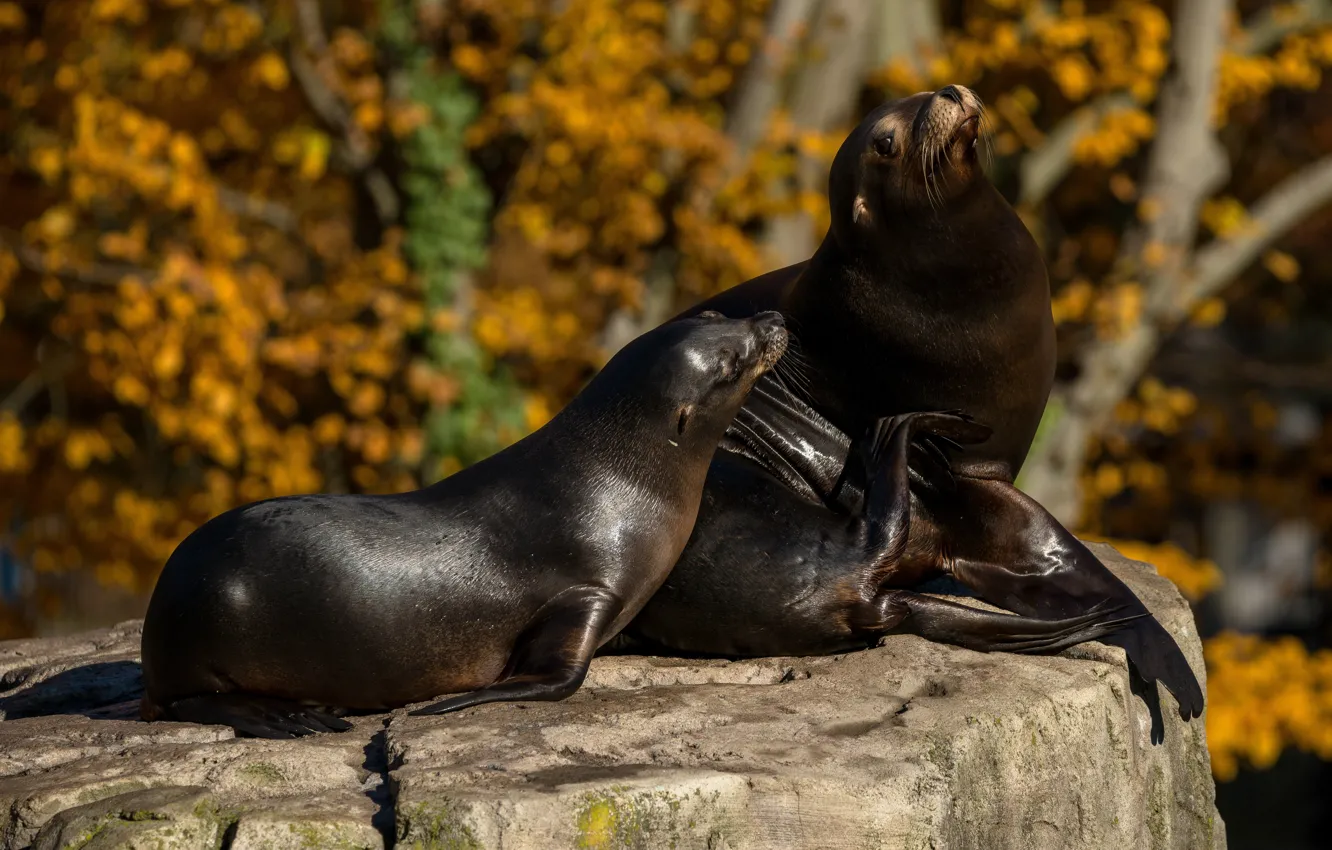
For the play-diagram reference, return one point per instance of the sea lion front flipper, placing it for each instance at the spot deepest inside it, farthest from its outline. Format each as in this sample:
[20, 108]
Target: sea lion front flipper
[883, 454]
[550, 658]
[907, 612]
[1007, 548]
[255, 716]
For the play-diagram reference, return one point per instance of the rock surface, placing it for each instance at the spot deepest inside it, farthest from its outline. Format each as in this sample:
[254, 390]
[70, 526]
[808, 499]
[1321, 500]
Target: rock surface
[911, 745]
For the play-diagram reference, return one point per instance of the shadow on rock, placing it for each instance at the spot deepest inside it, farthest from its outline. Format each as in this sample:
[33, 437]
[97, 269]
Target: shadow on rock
[104, 690]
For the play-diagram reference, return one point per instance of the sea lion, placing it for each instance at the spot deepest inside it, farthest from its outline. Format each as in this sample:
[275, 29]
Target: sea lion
[832, 582]
[497, 583]
[927, 293]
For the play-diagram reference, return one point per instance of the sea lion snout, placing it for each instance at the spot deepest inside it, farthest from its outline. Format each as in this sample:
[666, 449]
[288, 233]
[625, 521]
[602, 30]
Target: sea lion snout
[951, 114]
[773, 337]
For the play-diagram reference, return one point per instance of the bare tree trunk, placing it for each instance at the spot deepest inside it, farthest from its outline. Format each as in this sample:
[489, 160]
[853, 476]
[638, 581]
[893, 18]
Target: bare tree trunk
[1044, 167]
[846, 42]
[758, 96]
[1186, 165]
[760, 90]
[904, 29]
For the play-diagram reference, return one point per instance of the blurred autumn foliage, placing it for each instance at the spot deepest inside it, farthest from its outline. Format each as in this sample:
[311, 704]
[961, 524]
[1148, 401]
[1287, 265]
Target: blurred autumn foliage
[278, 246]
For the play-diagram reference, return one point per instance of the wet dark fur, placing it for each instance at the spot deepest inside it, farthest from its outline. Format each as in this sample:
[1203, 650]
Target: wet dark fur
[928, 293]
[498, 583]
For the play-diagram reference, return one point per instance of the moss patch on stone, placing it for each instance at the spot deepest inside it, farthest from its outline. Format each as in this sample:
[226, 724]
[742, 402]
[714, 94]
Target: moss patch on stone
[219, 818]
[263, 772]
[329, 836]
[438, 825]
[1158, 808]
[86, 838]
[623, 819]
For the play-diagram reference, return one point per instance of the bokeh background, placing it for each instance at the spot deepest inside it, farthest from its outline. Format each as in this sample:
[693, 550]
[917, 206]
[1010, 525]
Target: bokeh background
[258, 247]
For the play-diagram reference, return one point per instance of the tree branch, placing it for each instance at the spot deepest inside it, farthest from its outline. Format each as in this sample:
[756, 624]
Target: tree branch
[823, 98]
[1185, 165]
[353, 148]
[1044, 167]
[758, 95]
[1270, 27]
[759, 92]
[1290, 202]
[260, 209]
[89, 274]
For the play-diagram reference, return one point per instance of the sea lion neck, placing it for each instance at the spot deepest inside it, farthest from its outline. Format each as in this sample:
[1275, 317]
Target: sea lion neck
[649, 457]
[913, 250]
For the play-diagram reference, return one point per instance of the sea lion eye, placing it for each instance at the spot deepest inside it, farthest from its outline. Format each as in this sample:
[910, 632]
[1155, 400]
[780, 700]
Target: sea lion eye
[886, 145]
[729, 362]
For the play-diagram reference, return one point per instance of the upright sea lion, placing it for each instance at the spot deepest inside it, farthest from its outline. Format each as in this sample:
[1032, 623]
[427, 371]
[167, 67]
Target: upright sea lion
[927, 293]
[497, 583]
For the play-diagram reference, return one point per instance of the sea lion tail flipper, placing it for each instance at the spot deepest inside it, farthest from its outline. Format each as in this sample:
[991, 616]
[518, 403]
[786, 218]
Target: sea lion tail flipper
[550, 658]
[255, 716]
[907, 612]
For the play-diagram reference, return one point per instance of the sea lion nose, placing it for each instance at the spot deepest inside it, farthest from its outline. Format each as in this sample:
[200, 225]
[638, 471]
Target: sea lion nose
[770, 322]
[771, 327]
[952, 93]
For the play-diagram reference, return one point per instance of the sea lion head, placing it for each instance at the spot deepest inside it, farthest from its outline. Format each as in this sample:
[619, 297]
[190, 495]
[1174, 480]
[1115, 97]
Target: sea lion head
[908, 158]
[711, 365]
[687, 379]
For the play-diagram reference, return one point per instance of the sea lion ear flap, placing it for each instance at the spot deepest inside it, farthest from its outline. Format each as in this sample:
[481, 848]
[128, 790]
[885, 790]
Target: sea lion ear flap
[686, 413]
[860, 213]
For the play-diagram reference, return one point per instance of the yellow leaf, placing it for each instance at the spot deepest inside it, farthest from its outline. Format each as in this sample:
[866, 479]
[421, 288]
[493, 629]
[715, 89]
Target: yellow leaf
[1109, 480]
[536, 412]
[1149, 209]
[1283, 266]
[1123, 187]
[1209, 313]
[270, 70]
[1073, 76]
[1223, 216]
[48, 162]
[1153, 254]
[314, 156]
[56, 224]
[167, 363]
[12, 17]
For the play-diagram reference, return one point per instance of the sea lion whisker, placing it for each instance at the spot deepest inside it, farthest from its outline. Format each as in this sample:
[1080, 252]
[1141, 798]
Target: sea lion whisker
[800, 382]
[780, 380]
[986, 130]
[796, 366]
[925, 176]
[931, 179]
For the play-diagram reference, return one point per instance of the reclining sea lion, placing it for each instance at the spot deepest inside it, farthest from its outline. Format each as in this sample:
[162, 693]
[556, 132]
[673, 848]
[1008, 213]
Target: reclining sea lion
[497, 583]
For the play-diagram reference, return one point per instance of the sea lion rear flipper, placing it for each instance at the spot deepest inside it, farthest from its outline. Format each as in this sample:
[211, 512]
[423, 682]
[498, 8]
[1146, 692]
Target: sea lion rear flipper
[907, 612]
[550, 658]
[1008, 549]
[255, 716]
